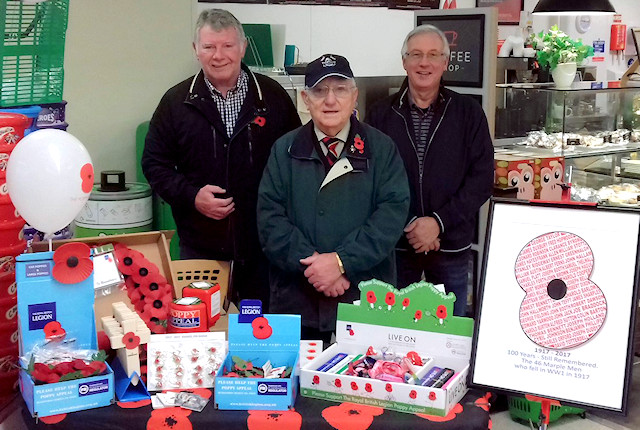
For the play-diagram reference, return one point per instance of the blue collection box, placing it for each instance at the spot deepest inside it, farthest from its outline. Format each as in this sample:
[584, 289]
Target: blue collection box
[281, 347]
[42, 299]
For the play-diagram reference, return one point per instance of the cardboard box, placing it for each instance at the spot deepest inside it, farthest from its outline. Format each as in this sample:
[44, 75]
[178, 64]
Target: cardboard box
[515, 171]
[417, 318]
[250, 342]
[42, 299]
[153, 245]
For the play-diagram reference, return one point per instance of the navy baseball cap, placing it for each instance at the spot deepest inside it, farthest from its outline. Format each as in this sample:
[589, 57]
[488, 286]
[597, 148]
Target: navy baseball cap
[326, 66]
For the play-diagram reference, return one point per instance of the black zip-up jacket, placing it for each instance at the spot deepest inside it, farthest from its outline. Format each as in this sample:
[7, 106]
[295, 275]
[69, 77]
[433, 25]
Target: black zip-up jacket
[457, 174]
[187, 147]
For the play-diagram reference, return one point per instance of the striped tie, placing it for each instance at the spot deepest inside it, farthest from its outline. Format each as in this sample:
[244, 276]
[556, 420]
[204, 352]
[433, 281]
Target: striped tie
[331, 143]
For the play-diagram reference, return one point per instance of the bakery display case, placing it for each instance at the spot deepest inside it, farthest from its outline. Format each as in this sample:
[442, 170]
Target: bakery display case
[587, 136]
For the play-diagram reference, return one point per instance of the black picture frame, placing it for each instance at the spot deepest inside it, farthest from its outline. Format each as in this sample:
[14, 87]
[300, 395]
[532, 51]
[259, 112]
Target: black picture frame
[595, 371]
[506, 11]
[465, 34]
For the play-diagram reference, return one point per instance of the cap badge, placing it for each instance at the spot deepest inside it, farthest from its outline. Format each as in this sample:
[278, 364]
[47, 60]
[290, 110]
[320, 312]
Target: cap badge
[328, 61]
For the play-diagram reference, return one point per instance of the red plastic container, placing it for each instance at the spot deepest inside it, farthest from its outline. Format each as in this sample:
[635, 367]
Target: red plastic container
[11, 233]
[12, 250]
[209, 295]
[12, 127]
[187, 315]
[8, 335]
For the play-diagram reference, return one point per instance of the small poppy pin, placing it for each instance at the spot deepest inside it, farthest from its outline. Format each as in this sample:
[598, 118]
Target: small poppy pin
[130, 340]
[260, 121]
[71, 263]
[358, 143]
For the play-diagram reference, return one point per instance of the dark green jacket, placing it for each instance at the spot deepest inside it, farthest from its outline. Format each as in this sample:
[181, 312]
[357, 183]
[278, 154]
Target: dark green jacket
[358, 210]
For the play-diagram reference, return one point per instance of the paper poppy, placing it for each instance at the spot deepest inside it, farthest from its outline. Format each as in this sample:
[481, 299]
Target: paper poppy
[141, 269]
[268, 420]
[139, 305]
[158, 326]
[126, 257]
[157, 309]
[441, 312]
[261, 328]
[53, 331]
[71, 263]
[358, 143]
[130, 340]
[260, 121]
[86, 173]
[351, 416]
[152, 283]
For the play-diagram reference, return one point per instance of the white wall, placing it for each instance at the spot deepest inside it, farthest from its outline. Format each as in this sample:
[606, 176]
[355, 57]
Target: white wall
[120, 58]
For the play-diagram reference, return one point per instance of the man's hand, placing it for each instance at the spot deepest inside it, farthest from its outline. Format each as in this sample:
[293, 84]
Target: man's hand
[423, 234]
[322, 269]
[211, 206]
[338, 288]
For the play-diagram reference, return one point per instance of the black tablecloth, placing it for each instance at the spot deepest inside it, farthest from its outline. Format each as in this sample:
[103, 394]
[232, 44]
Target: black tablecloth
[470, 414]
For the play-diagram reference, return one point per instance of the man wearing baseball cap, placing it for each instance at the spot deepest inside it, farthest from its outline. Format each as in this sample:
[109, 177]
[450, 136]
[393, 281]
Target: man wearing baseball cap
[331, 204]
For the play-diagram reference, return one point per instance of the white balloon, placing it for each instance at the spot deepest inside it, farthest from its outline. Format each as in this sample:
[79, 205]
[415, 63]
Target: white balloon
[49, 177]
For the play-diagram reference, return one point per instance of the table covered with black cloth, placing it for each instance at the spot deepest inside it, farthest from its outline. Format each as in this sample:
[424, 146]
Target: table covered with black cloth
[470, 414]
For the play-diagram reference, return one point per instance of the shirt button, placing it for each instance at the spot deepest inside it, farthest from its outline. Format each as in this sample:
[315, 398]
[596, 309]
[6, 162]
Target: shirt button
[321, 212]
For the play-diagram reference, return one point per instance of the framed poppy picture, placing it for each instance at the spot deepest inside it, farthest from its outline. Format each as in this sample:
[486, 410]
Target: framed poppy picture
[508, 10]
[556, 306]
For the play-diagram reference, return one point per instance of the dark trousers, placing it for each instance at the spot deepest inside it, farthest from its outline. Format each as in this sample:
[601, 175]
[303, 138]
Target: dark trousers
[249, 278]
[452, 269]
[309, 333]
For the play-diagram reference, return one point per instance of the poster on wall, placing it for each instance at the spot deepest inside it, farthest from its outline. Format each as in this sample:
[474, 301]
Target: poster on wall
[556, 306]
[465, 34]
[508, 10]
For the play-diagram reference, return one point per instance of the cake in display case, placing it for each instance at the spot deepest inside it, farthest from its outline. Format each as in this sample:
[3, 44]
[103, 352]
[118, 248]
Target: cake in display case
[587, 136]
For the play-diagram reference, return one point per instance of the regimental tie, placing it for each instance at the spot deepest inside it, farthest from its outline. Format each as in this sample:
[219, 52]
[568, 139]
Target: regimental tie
[331, 143]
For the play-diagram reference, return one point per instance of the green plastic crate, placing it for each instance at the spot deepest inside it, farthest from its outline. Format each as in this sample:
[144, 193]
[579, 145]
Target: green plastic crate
[525, 410]
[32, 51]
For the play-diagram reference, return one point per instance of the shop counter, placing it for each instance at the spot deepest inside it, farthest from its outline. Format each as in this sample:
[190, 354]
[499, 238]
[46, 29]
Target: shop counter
[470, 414]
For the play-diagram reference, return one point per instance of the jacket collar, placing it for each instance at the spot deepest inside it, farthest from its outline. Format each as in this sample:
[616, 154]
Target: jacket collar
[401, 100]
[356, 146]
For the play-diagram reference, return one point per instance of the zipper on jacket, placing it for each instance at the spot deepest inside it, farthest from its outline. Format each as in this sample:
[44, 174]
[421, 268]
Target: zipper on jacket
[420, 164]
[249, 138]
[215, 142]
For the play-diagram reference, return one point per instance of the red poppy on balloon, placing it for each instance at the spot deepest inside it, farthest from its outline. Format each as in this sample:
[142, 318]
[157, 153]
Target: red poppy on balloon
[86, 173]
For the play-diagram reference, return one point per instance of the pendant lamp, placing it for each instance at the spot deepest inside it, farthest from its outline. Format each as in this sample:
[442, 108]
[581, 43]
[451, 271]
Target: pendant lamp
[574, 7]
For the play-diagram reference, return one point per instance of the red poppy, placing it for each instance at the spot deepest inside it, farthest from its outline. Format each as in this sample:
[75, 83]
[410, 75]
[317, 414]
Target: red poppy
[170, 418]
[432, 396]
[71, 263]
[484, 402]
[126, 258]
[368, 388]
[351, 416]
[53, 331]
[130, 340]
[260, 121]
[405, 303]
[388, 387]
[450, 416]
[156, 309]
[98, 366]
[141, 269]
[162, 302]
[53, 419]
[358, 143]
[441, 312]
[86, 173]
[417, 316]
[371, 297]
[154, 286]
[354, 386]
[103, 341]
[261, 328]
[316, 380]
[135, 295]
[268, 420]
[415, 358]
[338, 383]
[156, 325]
[390, 299]
[413, 394]
[63, 368]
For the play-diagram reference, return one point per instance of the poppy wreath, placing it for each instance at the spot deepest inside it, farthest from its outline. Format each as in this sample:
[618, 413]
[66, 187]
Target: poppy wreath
[72, 263]
[148, 290]
[42, 373]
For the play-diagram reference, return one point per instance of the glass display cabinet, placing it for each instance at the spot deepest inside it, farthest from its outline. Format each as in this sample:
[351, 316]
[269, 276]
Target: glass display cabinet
[587, 136]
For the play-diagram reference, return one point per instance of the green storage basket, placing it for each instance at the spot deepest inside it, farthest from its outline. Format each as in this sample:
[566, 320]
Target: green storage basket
[32, 51]
[525, 410]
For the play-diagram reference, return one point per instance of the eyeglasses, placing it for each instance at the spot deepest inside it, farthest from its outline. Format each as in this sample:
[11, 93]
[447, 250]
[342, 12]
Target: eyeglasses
[417, 56]
[340, 91]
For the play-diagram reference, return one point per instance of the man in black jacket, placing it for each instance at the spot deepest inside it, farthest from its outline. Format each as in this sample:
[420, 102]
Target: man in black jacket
[444, 140]
[208, 142]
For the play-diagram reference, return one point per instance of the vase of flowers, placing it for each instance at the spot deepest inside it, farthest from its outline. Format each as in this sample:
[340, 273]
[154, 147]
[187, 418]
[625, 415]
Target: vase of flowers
[562, 54]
